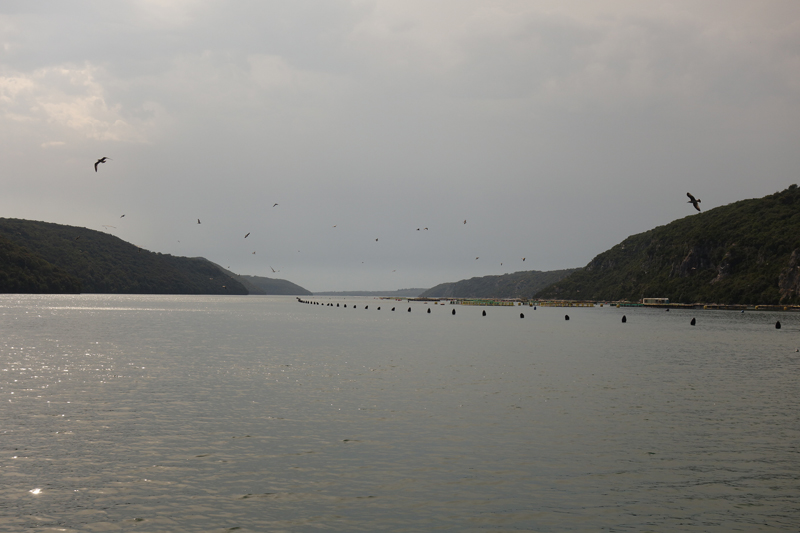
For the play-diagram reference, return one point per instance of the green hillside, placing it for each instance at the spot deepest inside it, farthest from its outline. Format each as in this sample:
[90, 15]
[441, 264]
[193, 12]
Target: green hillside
[276, 286]
[517, 285]
[24, 273]
[747, 252]
[106, 264]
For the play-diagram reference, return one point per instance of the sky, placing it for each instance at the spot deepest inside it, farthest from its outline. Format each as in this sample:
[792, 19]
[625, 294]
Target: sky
[555, 129]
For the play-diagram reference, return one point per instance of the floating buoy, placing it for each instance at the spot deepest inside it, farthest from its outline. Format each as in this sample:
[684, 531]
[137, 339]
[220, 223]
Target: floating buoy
[429, 309]
[624, 319]
[454, 311]
[484, 313]
[409, 309]
[379, 309]
[354, 307]
[778, 324]
[392, 308]
[667, 310]
[693, 322]
[534, 308]
[522, 315]
[366, 307]
[566, 317]
[337, 305]
[345, 305]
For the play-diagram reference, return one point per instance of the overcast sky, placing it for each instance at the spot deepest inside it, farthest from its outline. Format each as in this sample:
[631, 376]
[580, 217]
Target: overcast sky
[554, 128]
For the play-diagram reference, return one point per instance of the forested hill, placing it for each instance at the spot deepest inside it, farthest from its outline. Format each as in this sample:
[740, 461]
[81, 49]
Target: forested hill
[517, 285]
[102, 263]
[747, 252]
[22, 272]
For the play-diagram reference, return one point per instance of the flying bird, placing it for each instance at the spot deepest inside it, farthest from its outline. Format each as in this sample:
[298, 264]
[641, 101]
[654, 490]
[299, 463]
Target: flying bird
[274, 269]
[376, 240]
[465, 222]
[198, 220]
[273, 205]
[693, 201]
[101, 160]
[477, 258]
[523, 259]
[248, 233]
[123, 216]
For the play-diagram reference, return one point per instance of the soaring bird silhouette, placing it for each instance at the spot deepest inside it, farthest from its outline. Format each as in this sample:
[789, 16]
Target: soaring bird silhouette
[198, 220]
[693, 201]
[101, 160]
[273, 205]
[248, 234]
[274, 269]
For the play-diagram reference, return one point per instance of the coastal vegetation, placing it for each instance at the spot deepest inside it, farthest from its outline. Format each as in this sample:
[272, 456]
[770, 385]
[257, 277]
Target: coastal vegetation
[747, 252]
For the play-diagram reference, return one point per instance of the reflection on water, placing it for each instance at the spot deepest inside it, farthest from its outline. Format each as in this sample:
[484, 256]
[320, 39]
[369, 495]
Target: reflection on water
[174, 413]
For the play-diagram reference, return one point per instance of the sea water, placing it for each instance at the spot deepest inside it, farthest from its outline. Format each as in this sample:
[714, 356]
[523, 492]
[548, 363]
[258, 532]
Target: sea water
[187, 413]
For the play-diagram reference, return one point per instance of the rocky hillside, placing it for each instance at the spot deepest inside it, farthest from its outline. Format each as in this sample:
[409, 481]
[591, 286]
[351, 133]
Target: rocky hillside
[747, 252]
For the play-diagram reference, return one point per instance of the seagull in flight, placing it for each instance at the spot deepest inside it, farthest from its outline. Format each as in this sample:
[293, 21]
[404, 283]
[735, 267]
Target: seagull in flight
[273, 205]
[101, 160]
[274, 269]
[198, 220]
[248, 234]
[693, 201]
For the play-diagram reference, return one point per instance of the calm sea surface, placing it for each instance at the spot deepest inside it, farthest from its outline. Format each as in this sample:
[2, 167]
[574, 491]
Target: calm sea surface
[176, 413]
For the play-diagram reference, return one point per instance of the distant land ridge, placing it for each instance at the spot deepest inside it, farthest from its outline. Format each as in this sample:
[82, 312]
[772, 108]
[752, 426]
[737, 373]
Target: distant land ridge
[747, 252]
[400, 293]
[523, 284]
[74, 259]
